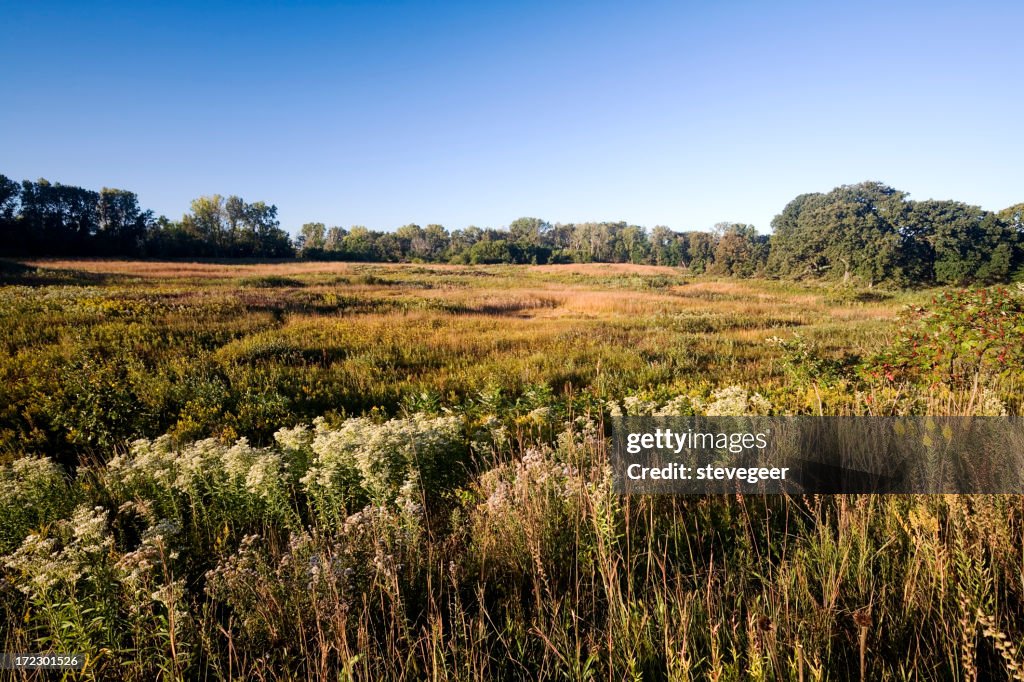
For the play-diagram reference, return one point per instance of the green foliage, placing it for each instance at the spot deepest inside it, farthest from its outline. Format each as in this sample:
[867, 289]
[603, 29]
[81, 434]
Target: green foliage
[740, 251]
[271, 282]
[803, 362]
[958, 244]
[873, 233]
[960, 338]
[853, 231]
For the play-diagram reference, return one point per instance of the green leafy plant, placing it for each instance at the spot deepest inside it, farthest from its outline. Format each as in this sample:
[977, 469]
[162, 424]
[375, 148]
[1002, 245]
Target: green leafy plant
[960, 338]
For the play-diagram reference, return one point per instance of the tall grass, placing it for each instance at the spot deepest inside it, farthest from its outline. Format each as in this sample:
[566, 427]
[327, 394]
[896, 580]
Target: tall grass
[405, 477]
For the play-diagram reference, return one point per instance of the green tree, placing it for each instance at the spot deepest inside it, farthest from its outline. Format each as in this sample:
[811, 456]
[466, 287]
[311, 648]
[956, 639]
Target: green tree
[58, 218]
[10, 192]
[740, 251]
[660, 242]
[529, 231]
[432, 245]
[635, 244]
[529, 240]
[238, 241]
[207, 226]
[335, 239]
[358, 244]
[700, 249]
[796, 248]
[953, 243]
[1013, 218]
[406, 235]
[492, 251]
[854, 231]
[170, 239]
[235, 228]
[269, 240]
[312, 240]
[461, 241]
[122, 226]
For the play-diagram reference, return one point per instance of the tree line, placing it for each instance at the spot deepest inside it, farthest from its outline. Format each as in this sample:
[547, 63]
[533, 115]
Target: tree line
[867, 232]
[50, 219]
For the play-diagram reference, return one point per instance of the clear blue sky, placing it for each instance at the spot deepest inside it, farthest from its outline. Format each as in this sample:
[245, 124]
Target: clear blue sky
[383, 113]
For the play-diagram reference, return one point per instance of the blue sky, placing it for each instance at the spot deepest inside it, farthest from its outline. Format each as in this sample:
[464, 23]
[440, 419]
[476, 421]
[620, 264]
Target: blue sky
[384, 113]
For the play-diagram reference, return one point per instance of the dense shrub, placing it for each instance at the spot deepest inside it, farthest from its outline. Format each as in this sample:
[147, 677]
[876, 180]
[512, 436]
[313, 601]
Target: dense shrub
[961, 337]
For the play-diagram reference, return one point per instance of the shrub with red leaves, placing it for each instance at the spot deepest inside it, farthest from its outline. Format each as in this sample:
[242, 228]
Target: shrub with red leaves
[960, 336]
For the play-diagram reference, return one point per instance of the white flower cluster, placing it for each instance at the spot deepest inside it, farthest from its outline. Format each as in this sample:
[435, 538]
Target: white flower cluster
[634, 406]
[74, 550]
[27, 477]
[296, 439]
[200, 469]
[382, 462]
[540, 415]
[731, 401]
[32, 489]
[734, 401]
[990, 405]
[381, 457]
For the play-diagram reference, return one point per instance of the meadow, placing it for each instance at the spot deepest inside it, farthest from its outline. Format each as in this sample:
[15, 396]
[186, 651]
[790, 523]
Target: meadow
[369, 471]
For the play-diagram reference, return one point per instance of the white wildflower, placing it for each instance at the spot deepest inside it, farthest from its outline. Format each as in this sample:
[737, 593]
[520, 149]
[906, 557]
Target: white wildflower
[638, 407]
[78, 549]
[735, 401]
[380, 456]
[264, 477]
[296, 438]
[676, 407]
[89, 528]
[990, 405]
[539, 415]
[41, 566]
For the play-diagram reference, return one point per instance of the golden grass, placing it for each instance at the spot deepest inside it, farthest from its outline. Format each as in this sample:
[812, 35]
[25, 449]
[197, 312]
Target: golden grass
[174, 270]
[214, 269]
[605, 269]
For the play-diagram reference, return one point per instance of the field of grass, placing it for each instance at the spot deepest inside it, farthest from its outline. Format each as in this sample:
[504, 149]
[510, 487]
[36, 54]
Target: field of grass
[353, 471]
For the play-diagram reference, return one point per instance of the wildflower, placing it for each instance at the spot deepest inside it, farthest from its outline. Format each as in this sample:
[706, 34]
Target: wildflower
[76, 551]
[539, 415]
[676, 407]
[735, 401]
[380, 458]
[138, 566]
[297, 438]
[638, 407]
[990, 405]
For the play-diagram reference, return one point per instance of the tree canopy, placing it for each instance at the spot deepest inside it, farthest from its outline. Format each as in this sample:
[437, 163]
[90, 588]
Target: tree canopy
[875, 234]
[868, 232]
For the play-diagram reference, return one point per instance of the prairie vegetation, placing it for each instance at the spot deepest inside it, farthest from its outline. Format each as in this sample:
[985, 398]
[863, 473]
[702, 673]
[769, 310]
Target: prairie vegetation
[374, 471]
